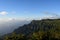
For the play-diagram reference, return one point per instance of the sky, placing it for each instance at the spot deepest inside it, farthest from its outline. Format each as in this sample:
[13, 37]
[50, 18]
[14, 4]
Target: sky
[29, 9]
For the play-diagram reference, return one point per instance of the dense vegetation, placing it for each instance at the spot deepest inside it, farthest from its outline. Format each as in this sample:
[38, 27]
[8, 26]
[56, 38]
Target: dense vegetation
[46, 29]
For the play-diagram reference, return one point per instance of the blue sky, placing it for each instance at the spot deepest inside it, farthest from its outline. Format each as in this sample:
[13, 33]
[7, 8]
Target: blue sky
[29, 8]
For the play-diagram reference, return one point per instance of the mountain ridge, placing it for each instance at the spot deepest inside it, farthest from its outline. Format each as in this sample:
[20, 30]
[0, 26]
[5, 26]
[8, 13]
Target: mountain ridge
[34, 25]
[47, 29]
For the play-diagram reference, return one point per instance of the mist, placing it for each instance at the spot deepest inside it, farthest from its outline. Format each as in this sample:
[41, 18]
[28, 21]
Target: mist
[9, 25]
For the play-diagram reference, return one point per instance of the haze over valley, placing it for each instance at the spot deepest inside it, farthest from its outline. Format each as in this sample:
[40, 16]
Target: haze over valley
[7, 26]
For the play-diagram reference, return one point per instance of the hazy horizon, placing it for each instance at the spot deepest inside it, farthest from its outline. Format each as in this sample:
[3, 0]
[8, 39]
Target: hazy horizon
[11, 25]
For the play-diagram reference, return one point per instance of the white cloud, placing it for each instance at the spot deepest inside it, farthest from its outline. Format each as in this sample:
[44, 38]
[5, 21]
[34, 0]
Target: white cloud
[49, 17]
[10, 19]
[3, 13]
[7, 19]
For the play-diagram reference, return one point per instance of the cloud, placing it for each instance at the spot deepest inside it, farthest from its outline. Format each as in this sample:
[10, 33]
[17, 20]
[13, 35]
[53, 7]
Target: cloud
[10, 19]
[49, 17]
[3, 13]
[52, 14]
[9, 26]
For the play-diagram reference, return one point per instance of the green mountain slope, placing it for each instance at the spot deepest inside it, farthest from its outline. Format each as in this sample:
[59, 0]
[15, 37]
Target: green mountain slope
[40, 25]
[46, 29]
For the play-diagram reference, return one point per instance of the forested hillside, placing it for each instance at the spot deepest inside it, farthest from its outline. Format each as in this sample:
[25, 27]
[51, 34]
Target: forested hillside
[46, 29]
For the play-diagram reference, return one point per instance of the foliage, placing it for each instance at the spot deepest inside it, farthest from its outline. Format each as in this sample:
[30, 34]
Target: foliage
[47, 29]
